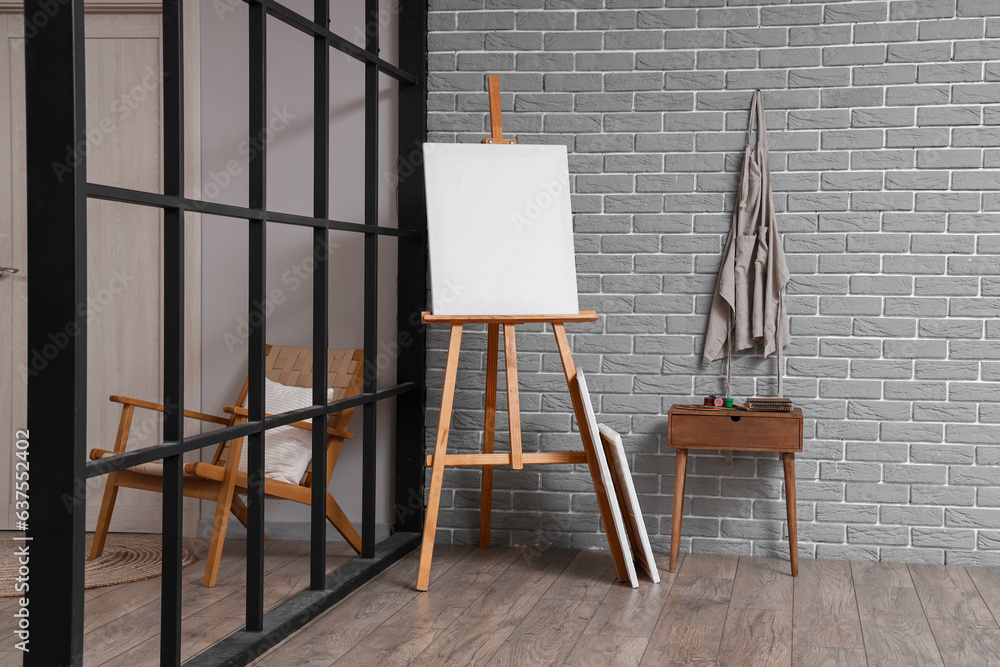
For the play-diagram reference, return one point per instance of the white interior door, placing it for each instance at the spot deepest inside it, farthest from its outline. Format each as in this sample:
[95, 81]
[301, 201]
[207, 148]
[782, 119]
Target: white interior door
[124, 255]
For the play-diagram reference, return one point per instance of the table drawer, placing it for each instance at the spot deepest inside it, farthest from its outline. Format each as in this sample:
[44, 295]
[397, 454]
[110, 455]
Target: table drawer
[740, 432]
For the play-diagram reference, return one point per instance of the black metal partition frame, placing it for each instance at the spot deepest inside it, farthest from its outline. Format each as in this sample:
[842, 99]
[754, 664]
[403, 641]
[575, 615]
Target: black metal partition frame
[57, 249]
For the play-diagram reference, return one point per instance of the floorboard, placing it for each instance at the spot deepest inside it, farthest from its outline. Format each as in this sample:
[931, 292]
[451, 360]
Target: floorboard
[547, 634]
[987, 581]
[896, 575]
[218, 621]
[337, 631]
[402, 576]
[756, 637]
[607, 651]
[762, 583]
[109, 602]
[340, 632]
[14, 657]
[713, 566]
[633, 612]
[948, 592]
[758, 626]
[895, 629]
[588, 577]
[821, 656]
[964, 642]
[133, 638]
[690, 627]
[492, 618]
[455, 589]
[826, 607]
[389, 646]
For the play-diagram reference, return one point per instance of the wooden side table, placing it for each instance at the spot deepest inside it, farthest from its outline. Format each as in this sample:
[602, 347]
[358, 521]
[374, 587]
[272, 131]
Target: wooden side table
[691, 428]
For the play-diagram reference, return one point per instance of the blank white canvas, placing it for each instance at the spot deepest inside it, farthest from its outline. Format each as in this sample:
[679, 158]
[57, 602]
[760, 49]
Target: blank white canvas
[500, 230]
[632, 514]
[609, 485]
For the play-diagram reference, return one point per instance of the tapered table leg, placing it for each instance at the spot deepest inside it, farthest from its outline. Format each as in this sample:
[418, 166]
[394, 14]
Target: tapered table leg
[788, 460]
[680, 476]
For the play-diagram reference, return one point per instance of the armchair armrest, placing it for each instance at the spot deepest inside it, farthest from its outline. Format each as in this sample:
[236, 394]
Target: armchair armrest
[206, 470]
[146, 405]
[125, 422]
[243, 412]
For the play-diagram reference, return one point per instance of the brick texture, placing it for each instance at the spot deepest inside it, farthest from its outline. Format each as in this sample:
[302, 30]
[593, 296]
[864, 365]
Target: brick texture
[884, 122]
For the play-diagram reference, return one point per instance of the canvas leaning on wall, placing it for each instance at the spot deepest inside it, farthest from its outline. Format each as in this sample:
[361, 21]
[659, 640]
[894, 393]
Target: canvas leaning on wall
[602, 462]
[614, 451]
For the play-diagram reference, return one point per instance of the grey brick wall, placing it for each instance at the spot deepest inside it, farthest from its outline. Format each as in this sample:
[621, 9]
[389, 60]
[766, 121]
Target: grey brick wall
[884, 123]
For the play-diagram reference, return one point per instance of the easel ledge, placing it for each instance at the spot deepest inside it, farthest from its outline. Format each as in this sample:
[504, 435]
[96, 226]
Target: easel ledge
[583, 316]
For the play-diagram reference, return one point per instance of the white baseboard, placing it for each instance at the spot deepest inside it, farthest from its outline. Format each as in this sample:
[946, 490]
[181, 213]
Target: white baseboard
[286, 530]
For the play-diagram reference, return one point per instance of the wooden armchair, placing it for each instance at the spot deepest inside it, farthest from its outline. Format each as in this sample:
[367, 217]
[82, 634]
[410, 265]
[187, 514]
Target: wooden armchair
[221, 479]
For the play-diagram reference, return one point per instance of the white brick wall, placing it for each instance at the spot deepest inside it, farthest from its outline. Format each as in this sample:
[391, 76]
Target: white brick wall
[884, 125]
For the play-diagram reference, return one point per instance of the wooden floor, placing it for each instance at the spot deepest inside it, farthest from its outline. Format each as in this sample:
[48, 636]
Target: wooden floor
[121, 623]
[562, 607]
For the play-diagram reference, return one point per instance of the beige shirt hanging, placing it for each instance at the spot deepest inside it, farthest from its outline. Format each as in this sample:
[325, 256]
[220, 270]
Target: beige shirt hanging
[748, 311]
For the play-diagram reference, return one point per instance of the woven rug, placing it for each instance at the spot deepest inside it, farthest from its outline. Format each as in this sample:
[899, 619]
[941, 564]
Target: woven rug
[126, 558]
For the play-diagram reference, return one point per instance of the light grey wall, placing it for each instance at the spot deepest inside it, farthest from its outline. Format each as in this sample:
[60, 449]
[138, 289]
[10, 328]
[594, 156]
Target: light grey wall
[225, 147]
[883, 121]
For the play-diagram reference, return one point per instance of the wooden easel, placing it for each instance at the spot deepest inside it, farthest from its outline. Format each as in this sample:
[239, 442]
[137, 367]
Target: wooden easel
[516, 459]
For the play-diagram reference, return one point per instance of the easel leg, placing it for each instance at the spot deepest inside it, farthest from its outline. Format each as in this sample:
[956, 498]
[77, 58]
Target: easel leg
[513, 401]
[680, 476]
[437, 468]
[788, 459]
[486, 500]
[588, 446]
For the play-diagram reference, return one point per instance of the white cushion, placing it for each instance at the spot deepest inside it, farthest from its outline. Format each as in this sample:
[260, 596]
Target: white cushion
[287, 449]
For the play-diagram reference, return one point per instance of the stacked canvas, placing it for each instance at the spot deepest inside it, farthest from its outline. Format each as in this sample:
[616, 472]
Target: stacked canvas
[616, 475]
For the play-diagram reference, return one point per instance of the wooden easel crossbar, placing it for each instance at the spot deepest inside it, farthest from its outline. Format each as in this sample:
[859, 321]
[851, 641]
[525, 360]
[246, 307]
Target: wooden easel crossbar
[515, 458]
